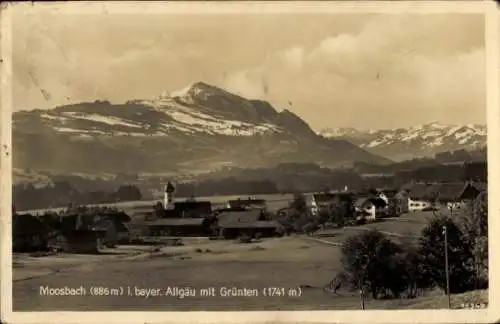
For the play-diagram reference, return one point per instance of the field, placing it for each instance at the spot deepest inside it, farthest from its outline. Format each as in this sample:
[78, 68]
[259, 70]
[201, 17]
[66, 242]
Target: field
[282, 265]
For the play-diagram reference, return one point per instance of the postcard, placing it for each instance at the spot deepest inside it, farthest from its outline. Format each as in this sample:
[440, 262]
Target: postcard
[249, 161]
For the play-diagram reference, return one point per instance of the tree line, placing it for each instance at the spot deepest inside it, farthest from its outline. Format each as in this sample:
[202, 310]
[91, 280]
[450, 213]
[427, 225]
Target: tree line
[61, 194]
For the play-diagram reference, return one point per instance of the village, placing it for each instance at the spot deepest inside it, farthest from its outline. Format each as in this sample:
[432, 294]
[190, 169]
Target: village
[88, 229]
[295, 240]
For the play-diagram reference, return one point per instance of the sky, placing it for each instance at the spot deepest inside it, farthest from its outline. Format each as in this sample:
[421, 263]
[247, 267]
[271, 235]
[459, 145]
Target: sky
[337, 69]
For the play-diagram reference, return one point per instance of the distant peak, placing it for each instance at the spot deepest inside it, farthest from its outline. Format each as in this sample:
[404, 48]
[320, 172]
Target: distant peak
[199, 87]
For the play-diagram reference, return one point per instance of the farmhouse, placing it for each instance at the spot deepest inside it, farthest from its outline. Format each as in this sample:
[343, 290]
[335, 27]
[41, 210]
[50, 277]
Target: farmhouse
[370, 207]
[458, 195]
[90, 230]
[231, 224]
[179, 227]
[315, 202]
[79, 234]
[79, 241]
[421, 196]
[448, 195]
[396, 200]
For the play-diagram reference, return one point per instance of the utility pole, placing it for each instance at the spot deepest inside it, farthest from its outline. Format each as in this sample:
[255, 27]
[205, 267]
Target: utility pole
[362, 296]
[445, 232]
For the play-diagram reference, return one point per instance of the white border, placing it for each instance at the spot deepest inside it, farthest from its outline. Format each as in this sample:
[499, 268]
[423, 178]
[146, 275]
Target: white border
[400, 316]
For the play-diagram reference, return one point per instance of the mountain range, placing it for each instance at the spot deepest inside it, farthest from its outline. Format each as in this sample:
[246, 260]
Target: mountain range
[197, 129]
[418, 141]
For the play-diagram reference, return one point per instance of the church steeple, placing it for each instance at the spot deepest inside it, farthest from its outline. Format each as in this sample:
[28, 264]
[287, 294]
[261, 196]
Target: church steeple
[169, 191]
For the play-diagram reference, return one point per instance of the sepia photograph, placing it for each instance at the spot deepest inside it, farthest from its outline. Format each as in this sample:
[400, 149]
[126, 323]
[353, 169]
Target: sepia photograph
[247, 157]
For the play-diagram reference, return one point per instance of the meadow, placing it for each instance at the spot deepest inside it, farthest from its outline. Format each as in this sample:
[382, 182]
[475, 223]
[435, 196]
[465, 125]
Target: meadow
[280, 264]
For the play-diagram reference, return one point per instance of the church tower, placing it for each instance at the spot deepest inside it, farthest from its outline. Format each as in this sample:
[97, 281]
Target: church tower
[168, 201]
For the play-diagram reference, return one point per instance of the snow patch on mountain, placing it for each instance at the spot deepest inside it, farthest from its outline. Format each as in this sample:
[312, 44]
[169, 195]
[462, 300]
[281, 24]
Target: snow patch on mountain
[101, 119]
[426, 139]
[182, 111]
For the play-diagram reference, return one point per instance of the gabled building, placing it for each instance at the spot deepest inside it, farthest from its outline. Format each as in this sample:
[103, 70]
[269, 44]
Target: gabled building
[448, 195]
[370, 208]
[396, 200]
[231, 224]
[421, 196]
[316, 202]
[79, 234]
[191, 226]
[460, 195]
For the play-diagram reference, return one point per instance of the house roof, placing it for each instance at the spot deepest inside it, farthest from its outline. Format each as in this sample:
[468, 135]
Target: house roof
[422, 191]
[176, 222]
[203, 206]
[450, 191]
[323, 198]
[389, 192]
[472, 190]
[378, 202]
[247, 203]
[360, 201]
[231, 218]
[327, 198]
[441, 191]
[114, 216]
[257, 224]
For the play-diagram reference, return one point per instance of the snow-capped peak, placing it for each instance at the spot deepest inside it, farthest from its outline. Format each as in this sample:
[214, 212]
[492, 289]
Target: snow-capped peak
[424, 139]
[198, 108]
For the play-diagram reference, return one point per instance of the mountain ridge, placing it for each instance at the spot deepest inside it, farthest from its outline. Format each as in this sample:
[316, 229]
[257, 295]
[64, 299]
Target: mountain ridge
[199, 127]
[424, 140]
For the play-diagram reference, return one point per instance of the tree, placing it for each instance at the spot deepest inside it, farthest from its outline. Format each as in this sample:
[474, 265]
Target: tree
[367, 261]
[299, 219]
[474, 225]
[432, 254]
[299, 204]
[128, 193]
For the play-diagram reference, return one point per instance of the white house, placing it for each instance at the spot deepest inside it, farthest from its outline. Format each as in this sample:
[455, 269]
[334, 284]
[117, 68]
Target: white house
[371, 208]
[421, 196]
[318, 201]
[418, 204]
